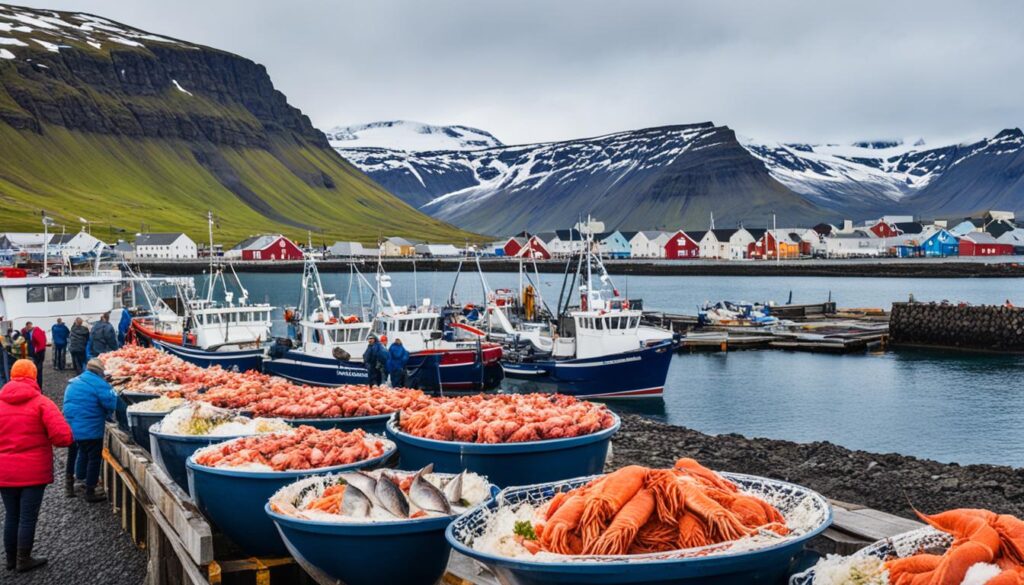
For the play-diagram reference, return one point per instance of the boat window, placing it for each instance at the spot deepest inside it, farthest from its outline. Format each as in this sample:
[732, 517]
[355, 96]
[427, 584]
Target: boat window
[85, 292]
[54, 293]
[599, 323]
[71, 293]
[36, 294]
[634, 322]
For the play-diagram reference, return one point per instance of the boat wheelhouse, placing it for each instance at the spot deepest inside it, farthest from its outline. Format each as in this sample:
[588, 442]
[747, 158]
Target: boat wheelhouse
[41, 299]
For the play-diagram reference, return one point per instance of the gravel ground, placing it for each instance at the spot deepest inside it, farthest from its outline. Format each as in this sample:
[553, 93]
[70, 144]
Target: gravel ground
[83, 542]
[887, 482]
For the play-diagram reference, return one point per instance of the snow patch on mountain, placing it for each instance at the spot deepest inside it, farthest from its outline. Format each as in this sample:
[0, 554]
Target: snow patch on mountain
[410, 136]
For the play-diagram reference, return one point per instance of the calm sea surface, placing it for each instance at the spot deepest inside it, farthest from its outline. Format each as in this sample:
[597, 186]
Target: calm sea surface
[951, 407]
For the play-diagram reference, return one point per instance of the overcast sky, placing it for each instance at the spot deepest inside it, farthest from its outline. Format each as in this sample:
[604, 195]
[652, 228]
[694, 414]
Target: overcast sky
[553, 69]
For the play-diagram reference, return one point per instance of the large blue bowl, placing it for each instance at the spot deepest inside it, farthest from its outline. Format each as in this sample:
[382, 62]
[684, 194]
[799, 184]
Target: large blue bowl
[124, 400]
[396, 553]
[234, 500]
[764, 566]
[139, 423]
[506, 464]
[373, 425]
[172, 451]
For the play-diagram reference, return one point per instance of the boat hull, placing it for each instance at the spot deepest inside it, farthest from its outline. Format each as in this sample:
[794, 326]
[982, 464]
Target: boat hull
[633, 374]
[431, 370]
[242, 360]
[148, 334]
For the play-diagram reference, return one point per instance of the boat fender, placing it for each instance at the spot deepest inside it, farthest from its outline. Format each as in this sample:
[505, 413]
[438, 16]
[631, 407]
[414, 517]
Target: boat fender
[352, 319]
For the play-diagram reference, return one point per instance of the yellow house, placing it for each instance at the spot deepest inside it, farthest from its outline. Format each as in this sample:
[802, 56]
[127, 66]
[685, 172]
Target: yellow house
[395, 247]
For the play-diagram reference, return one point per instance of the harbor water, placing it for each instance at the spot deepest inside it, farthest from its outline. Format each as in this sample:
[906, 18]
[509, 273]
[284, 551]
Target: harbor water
[952, 407]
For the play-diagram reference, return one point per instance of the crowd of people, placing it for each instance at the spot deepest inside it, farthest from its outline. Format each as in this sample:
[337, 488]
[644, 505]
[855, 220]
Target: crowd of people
[382, 362]
[31, 425]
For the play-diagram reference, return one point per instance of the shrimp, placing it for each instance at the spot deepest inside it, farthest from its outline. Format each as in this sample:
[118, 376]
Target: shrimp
[614, 492]
[556, 532]
[624, 527]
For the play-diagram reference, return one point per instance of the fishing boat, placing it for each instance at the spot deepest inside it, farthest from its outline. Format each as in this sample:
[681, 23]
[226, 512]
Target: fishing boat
[599, 348]
[204, 330]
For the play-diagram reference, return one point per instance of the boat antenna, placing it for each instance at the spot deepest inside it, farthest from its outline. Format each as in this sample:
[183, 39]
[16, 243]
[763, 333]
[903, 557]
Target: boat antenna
[458, 271]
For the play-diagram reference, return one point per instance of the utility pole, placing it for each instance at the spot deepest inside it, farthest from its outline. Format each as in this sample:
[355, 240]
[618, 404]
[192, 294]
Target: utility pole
[775, 236]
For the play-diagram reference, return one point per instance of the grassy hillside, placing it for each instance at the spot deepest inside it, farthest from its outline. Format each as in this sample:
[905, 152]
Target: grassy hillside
[123, 128]
[120, 183]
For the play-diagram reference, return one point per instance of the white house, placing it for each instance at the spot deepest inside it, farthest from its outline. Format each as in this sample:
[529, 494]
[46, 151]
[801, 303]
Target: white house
[857, 243]
[350, 250]
[562, 242]
[165, 246]
[649, 244]
[74, 244]
[727, 244]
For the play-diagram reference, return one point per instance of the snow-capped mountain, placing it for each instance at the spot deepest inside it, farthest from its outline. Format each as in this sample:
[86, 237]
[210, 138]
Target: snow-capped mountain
[675, 176]
[410, 137]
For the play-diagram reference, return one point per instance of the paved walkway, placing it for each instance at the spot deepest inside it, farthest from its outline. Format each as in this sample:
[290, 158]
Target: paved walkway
[83, 542]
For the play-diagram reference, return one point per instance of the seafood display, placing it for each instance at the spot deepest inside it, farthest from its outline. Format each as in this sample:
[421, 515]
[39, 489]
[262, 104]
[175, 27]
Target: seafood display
[301, 449]
[144, 369]
[507, 418]
[641, 511]
[962, 546]
[201, 419]
[381, 496]
[291, 401]
[159, 404]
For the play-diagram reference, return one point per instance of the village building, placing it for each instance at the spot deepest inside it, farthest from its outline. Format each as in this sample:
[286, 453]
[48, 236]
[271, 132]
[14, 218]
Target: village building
[74, 244]
[649, 244]
[681, 246]
[882, 229]
[909, 227]
[967, 226]
[562, 243]
[983, 244]
[1014, 238]
[726, 244]
[437, 251]
[171, 246]
[858, 243]
[940, 243]
[526, 247]
[998, 227]
[266, 247]
[612, 244]
[349, 250]
[397, 247]
[785, 243]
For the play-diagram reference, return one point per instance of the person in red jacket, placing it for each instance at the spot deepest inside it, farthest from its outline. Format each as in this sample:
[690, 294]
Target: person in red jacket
[31, 425]
[36, 348]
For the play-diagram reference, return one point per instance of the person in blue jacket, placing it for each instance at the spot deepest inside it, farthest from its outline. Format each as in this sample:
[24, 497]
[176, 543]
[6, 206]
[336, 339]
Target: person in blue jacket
[103, 337]
[398, 358]
[375, 358]
[59, 336]
[88, 401]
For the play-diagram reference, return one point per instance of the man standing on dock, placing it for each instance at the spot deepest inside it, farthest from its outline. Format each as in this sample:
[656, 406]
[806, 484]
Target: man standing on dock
[375, 358]
[59, 335]
[35, 339]
[104, 338]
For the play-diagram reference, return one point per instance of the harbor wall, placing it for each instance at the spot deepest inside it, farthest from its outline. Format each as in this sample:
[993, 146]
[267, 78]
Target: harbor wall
[984, 327]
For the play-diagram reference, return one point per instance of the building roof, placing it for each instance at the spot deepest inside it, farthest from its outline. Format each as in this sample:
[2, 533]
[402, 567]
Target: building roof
[981, 238]
[351, 249]
[697, 235]
[566, 235]
[999, 227]
[547, 236]
[399, 241]
[157, 239]
[723, 235]
[824, 228]
[628, 235]
[854, 235]
[757, 233]
[909, 227]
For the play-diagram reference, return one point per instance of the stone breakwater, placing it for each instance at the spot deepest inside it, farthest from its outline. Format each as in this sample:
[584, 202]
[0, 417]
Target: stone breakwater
[986, 327]
[887, 482]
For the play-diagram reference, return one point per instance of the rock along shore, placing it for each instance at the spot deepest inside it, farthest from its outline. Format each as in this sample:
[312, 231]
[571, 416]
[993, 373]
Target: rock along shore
[886, 482]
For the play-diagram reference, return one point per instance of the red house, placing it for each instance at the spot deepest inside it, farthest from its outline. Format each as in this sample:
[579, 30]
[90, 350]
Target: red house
[884, 230]
[272, 247]
[681, 246]
[983, 244]
[527, 247]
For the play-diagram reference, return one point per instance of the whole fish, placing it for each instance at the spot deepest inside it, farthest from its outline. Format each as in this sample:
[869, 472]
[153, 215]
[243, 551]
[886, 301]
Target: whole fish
[391, 497]
[366, 484]
[426, 496]
[355, 503]
[453, 489]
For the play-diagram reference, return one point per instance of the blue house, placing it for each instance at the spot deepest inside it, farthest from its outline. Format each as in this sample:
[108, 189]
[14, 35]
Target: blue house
[941, 243]
[613, 244]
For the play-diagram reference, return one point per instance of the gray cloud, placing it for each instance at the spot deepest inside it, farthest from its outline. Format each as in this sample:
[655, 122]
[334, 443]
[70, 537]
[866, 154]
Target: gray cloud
[534, 70]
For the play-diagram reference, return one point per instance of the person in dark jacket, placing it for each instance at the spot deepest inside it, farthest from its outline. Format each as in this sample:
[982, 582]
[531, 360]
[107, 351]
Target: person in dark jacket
[35, 339]
[77, 340]
[375, 358]
[59, 336]
[88, 401]
[30, 427]
[6, 349]
[103, 337]
[398, 358]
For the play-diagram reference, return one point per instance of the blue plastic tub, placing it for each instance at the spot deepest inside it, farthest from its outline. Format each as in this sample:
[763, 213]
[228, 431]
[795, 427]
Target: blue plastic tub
[374, 425]
[765, 566]
[508, 464]
[124, 400]
[172, 451]
[234, 500]
[139, 423]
